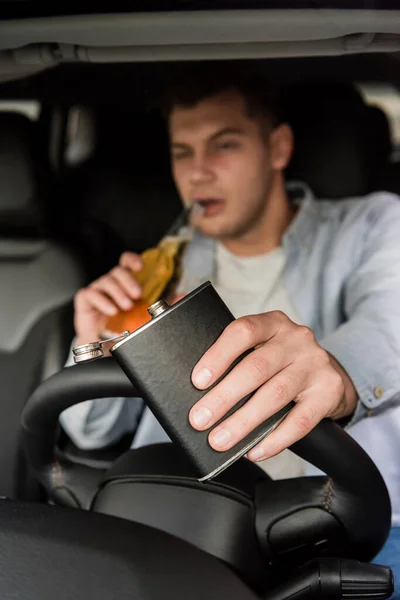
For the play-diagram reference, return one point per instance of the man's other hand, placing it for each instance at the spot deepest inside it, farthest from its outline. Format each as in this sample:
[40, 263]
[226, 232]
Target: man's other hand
[286, 364]
[117, 290]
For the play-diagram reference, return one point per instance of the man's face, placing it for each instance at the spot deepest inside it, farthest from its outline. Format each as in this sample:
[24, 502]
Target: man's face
[221, 157]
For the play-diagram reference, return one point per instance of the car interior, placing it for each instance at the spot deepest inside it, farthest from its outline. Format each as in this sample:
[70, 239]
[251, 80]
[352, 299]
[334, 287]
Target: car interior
[84, 176]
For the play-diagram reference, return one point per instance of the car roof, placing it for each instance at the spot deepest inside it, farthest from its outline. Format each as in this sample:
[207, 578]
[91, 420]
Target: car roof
[17, 9]
[32, 39]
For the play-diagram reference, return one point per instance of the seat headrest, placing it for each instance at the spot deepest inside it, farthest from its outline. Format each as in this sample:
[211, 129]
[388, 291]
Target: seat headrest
[341, 143]
[19, 206]
[380, 134]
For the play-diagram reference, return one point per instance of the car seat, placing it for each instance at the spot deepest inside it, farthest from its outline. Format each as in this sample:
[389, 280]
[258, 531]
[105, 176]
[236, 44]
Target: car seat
[38, 279]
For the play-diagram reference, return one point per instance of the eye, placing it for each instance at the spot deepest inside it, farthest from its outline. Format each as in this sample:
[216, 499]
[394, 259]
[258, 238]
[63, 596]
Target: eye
[228, 145]
[180, 154]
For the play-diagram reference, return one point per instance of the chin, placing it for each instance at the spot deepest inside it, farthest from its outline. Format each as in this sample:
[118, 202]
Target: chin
[217, 232]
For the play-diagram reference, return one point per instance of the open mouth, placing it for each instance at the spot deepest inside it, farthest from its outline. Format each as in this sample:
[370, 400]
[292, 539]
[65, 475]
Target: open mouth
[208, 207]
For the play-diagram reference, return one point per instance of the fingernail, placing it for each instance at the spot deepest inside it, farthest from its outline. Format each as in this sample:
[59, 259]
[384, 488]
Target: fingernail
[256, 454]
[111, 310]
[127, 304]
[221, 438]
[202, 378]
[201, 417]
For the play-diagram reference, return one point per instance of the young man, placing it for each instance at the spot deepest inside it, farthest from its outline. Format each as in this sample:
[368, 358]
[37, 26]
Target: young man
[315, 285]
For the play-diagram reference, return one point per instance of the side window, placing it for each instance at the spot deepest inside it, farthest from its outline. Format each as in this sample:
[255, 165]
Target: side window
[80, 135]
[387, 98]
[29, 108]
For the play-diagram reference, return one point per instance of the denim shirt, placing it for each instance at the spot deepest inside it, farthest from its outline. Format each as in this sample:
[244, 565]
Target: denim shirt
[343, 277]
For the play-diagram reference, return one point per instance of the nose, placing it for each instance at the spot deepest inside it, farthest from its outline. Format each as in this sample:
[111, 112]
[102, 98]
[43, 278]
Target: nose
[201, 171]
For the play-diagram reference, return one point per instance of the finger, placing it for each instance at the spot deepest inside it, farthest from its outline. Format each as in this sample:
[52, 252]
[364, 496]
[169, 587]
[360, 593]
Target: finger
[131, 260]
[97, 300]
[251, 372]
[308, 412]
[109, 286]
[127, 281]
[240, 335]
[267, 401]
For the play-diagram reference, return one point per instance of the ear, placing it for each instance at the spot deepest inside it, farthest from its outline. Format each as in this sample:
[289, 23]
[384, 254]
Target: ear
[281, 146]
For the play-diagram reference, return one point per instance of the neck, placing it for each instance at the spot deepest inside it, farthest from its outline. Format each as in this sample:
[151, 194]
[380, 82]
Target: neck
[266, 233]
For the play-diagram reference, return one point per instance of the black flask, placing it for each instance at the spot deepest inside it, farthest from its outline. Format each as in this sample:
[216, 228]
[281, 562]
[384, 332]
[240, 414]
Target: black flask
[159, 358]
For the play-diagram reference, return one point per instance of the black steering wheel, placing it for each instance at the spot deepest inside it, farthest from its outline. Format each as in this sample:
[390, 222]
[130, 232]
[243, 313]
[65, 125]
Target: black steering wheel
[259, 527]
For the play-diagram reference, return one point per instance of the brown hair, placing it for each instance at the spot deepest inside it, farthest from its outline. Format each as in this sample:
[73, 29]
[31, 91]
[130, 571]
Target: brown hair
[198, 82]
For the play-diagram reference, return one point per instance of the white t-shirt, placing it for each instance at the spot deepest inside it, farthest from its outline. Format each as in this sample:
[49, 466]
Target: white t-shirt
[252, 285]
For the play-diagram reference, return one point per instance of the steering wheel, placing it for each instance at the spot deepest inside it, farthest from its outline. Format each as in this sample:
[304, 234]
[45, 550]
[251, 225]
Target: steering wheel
[259, 527]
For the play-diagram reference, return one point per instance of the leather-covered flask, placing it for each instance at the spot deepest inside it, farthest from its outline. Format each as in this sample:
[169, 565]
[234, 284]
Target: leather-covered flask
[159, 358]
